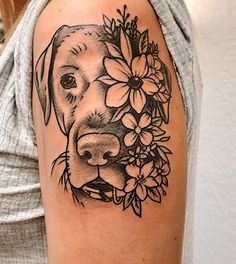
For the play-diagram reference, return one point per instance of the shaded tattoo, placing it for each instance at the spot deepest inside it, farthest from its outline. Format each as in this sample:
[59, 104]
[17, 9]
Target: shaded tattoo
[110, 92]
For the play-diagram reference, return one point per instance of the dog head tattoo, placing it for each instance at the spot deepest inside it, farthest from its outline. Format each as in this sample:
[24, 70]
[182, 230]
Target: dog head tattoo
[110, 92]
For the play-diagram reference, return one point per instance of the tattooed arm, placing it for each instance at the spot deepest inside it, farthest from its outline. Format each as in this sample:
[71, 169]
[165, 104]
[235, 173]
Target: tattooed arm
[111, 134]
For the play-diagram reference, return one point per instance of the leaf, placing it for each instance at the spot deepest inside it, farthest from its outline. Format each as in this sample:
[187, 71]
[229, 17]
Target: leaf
[113, 50]
[164, 139]
[157, 131]
[106, 79]
[165, 181]
[143, 42]
[154, 50]
[136, 205]
[156, 121]
[123, 160]
[167, 78]
[165, 149]
[154, 194]
[128, 200]
[113, 24]
[163, 155]
[125, 45]
[107, 21]
[109, 26]
[119, 113]
[162, 95]
[164, 111]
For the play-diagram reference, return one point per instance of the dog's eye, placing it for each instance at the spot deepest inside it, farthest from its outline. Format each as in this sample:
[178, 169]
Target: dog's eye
[68, 81]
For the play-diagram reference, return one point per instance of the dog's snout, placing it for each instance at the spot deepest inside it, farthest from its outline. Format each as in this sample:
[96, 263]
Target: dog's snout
[97, 149]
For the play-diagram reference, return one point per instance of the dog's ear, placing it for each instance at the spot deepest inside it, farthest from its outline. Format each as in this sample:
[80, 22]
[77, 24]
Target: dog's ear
[43, 72]
[42, 81]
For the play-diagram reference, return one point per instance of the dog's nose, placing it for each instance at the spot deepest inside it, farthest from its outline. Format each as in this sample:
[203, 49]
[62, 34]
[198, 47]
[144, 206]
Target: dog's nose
[97, 149]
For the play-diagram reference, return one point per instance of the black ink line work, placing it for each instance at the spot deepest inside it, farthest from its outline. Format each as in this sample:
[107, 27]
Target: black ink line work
[111, 93]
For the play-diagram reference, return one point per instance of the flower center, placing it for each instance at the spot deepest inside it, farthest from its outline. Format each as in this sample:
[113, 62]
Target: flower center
[141, 179]
[159, 171]
[138, 130]
[135, 82]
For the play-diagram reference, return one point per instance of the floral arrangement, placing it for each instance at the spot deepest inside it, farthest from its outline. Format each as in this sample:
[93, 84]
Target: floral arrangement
[139, 88]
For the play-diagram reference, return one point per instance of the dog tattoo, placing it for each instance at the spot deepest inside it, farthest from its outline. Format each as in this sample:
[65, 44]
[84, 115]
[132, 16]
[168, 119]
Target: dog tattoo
[110, 92]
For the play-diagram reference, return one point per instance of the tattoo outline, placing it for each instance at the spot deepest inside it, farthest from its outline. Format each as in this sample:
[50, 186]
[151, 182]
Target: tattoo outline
[120, 143]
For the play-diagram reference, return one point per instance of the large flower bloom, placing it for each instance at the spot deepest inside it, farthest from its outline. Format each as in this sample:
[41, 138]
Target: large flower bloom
[140, 179]
[139, 129]
[128, 82]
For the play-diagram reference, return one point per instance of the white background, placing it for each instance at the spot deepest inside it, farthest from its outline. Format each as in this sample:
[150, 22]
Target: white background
[214, 24]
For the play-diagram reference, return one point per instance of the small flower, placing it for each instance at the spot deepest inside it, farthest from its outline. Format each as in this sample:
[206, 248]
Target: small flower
[137, 156]
[128, 82]
[149, 150]
[141, 179]
[154, 69]
[140, 130]
[162, 169]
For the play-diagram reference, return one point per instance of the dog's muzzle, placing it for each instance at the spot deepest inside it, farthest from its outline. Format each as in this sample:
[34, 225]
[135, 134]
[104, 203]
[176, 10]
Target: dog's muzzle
[97, 149]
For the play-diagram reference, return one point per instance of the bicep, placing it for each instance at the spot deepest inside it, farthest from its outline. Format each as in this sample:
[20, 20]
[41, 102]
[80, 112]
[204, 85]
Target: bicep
[111, 136]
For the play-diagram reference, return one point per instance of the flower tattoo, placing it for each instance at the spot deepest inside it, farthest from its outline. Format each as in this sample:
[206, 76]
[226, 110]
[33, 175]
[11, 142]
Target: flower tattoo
[140, 130]
[139, 84]
[117, 147]
[130, 82]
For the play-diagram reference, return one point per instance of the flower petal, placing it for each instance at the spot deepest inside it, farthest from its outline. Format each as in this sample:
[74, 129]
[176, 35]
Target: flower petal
[143, 156]
[131, 152]
[141, 191]
[132, 159]
[157, 65]
[150, 182]
[150, 60]
[139, 66]
[129, 121]
[147, 169]
[132, 170]
[137, 100]
[130, 139]
[138, 162]
[154, 173]
[154, 78]
[113, 50]
[117, 69]
[159, 179]
[145, 120]
[165, 169]
[146, 137]
[130, 185]
[117, 95]
[159, 75]
[149, 86]
[138, 149]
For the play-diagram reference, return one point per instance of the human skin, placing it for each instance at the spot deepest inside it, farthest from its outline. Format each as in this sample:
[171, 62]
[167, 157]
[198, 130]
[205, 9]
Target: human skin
[19, 4]
[101, 232]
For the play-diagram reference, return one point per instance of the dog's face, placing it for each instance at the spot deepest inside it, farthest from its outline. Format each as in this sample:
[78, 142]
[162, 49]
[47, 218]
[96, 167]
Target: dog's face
[67, 78]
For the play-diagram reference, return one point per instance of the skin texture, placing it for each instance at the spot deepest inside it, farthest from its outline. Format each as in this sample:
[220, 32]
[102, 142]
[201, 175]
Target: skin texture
[19, 4]
[100, 231]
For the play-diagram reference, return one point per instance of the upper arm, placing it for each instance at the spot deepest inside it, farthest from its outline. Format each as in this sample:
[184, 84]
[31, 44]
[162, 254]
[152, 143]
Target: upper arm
[111, 136]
